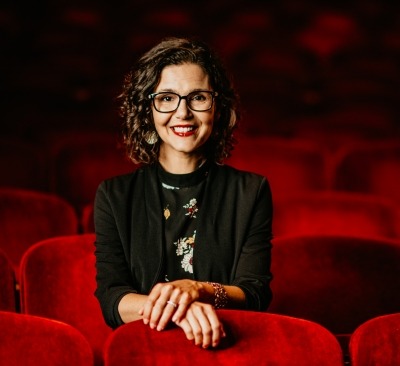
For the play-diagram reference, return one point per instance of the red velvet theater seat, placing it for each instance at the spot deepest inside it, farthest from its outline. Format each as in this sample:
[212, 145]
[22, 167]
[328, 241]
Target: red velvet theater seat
[371, 168]
[7, 284]
[346, 125]
[58, 282]
[376, 342]
[32, 341]
[87, 219]
[336, 281]
[291, 165]
[82, 162]
[336, 213]
[29, 216]
[253, 338]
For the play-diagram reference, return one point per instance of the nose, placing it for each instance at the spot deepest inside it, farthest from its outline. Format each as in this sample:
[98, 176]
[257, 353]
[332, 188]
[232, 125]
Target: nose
[183, 111]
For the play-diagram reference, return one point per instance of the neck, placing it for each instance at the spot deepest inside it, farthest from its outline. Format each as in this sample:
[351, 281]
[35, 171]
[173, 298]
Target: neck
[182, 165]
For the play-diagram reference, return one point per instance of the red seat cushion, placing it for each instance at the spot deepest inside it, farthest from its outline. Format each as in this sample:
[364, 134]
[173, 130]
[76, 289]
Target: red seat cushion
[31, 341]
[376, 342]
[253, 338]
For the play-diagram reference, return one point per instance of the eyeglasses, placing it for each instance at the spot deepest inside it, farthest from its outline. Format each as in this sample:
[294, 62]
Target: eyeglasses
[199, 101]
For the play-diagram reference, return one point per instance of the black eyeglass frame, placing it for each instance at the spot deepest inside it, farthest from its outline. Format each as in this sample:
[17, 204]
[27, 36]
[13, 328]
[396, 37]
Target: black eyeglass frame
[213, 95]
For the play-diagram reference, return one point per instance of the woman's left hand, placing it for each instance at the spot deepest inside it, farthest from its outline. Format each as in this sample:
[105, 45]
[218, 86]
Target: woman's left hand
[202, 326]
[170, 301]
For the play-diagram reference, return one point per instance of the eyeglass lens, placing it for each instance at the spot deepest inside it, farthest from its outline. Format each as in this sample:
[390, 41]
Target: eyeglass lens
[197, 101]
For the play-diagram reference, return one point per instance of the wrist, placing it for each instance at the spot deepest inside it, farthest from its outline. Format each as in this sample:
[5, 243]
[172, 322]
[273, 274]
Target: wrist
[206, 293]
[220, 296]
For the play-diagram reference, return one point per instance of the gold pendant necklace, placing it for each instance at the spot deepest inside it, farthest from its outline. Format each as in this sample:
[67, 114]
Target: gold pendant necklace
[167, 213]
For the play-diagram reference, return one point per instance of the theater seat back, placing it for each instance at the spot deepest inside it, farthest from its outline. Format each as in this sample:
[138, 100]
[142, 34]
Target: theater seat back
[58, 282]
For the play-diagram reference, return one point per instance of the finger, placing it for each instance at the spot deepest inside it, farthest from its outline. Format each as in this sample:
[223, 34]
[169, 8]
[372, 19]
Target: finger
[148, 305]
[203, 316]
[187, 329]
[162, 306]
[157, 311]
[223, 333]
[169, 310]
[155, 304]
[212, 327]
[196, 328]
[184, 302]
[146, 310]
[217, 328]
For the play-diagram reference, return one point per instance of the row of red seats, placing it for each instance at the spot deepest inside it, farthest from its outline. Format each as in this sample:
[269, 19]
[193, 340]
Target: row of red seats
[28, 216]
[336, 281]
[256, 338]
[74, 166]
[322, 212]
[293, 165]
[71, 165]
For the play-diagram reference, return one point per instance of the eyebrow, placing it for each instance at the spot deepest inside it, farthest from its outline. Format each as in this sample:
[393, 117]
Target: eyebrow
[168, 90]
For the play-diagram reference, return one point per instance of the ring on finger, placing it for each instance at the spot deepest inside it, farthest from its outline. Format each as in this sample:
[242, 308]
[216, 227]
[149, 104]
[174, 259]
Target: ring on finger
[172, 303]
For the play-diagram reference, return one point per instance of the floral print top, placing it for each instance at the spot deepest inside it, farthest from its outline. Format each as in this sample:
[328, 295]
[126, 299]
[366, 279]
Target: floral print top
[182, 196]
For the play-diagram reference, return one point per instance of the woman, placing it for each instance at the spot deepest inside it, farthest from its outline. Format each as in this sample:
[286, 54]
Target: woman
[183, 235]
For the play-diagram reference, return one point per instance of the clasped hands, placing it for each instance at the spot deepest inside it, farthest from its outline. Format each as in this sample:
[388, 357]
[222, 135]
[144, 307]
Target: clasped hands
[181, 302]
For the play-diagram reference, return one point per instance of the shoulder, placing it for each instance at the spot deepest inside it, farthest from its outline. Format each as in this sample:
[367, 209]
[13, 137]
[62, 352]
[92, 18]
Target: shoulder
[123, 184]
[237, 175]
[230, 178]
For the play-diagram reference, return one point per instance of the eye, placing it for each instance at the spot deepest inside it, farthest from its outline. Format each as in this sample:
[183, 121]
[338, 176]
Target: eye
[166, 98]
[198, 97]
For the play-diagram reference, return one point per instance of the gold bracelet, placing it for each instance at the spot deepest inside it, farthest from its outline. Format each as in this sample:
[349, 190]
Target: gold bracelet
[220, 295]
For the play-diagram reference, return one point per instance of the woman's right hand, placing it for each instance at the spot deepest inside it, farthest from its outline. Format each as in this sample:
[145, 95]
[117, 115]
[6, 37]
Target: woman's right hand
[170, 301]
[202, 325]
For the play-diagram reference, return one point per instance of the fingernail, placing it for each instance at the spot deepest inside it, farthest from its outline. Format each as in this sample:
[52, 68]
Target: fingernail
[152, 325]
[146, 321]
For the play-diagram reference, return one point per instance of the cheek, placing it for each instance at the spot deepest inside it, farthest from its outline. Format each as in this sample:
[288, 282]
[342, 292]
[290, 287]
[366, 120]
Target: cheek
[211, 119]
[160, 120]
[209, 128]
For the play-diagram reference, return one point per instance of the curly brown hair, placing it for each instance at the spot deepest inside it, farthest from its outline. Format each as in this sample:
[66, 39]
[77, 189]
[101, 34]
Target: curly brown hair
[141, 81]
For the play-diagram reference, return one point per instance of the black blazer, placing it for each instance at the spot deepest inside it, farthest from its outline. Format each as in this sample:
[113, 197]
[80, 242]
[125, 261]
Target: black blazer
[233, 246]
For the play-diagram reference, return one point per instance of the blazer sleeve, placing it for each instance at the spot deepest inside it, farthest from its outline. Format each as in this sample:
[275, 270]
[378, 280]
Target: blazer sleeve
[113, 276]
[253, 273]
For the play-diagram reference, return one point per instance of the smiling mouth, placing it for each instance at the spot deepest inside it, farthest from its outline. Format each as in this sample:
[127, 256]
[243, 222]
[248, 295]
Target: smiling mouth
[184, 131]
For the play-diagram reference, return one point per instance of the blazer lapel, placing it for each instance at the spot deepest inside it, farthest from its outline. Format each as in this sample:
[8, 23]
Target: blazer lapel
[148, 225]
[204, 263]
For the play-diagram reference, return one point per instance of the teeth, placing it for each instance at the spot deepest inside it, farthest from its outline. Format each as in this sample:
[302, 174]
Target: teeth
[183, 129]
